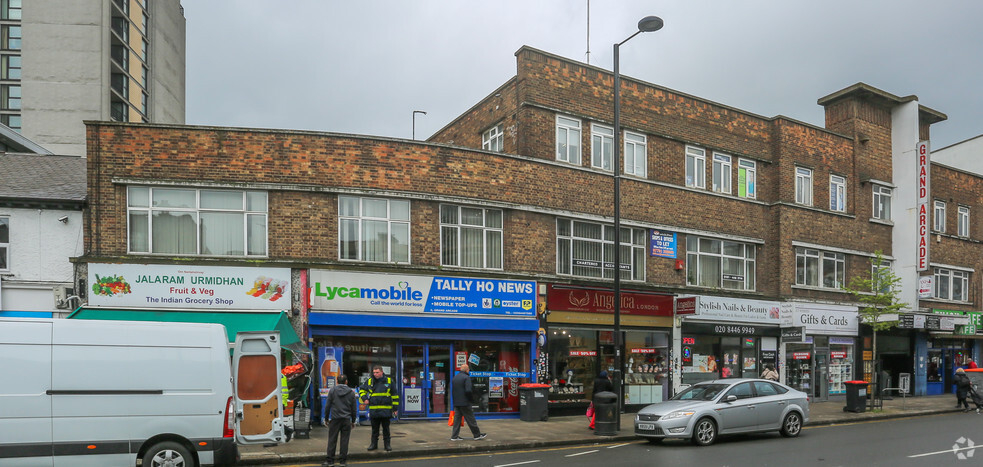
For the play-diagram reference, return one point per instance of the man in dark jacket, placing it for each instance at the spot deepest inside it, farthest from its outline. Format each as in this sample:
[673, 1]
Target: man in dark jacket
[383, 399]
[963, 385]
[463, 394]
[342, 410]
[601, 384]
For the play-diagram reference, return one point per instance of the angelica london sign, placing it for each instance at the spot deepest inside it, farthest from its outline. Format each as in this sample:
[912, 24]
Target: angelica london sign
[353, 291]
[188, 286]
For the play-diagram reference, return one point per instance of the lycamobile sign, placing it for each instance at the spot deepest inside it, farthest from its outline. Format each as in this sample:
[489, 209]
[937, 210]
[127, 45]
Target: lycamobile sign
[348, 291]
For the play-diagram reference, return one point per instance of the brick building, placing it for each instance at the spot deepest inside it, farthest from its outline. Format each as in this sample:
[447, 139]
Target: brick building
[491, 243]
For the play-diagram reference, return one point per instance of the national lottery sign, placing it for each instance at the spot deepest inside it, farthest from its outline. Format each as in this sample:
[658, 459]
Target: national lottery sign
[353, 291]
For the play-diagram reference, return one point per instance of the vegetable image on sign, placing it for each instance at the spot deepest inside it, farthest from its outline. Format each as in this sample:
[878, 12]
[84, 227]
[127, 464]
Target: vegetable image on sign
[110, 285]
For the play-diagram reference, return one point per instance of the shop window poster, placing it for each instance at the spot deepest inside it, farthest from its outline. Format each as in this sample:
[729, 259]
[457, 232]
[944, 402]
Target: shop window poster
[749, 363]
[496, 387]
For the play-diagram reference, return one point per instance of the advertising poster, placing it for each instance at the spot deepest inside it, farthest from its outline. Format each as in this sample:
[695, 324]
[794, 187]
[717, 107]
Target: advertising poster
[662, 243]
[496, 387]
[330, 368]
[353, 291]
[413, 398]
[188, 286]
[460, 358]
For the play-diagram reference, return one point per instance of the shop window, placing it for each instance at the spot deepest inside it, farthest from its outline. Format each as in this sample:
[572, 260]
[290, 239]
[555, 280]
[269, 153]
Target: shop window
[470, 237]
[493, 138]
[374, 229]
[568, 140]
[696, 167]
[812, 264]
[601, 146]
[882, 202]
[494, 391]
[586, 249]
[572, 363]
[719, 263]
[951, 285]
[647, 367]
[4, 243]
[196, 222]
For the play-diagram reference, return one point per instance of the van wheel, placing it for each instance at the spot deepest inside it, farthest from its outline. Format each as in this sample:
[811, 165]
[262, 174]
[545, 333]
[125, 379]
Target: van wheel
[168, 454]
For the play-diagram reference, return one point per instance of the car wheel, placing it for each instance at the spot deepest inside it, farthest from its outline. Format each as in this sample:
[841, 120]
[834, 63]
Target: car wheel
[792, 425]
[655, 440]
[168, 454]
[705, 432]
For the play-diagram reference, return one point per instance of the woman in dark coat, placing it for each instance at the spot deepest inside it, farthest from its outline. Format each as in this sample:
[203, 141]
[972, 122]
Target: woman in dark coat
[962, 389]
[601, 384]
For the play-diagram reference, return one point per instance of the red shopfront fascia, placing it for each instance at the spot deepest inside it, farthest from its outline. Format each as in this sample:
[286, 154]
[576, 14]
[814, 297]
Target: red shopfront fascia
[598, 300]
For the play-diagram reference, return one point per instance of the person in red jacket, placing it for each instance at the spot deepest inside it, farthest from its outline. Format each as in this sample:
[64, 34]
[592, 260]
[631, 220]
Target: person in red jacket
[971, 365]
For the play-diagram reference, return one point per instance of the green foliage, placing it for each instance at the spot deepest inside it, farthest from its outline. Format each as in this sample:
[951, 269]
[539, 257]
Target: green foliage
[878, 294]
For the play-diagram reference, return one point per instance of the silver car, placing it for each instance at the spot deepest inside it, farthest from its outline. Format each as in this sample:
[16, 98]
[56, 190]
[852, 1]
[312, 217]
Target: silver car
[725, 406]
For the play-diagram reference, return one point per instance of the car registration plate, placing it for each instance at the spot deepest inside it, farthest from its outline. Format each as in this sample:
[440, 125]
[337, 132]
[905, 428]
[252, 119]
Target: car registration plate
[646, 426]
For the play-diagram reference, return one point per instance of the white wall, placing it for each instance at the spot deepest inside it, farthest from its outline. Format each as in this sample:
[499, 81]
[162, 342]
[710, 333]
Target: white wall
[40, 248]
[904, 138]
[966, 155]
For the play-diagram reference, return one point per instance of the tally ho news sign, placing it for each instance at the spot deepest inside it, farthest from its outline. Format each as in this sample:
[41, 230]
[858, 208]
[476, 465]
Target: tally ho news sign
[352, 291]
[188, 286]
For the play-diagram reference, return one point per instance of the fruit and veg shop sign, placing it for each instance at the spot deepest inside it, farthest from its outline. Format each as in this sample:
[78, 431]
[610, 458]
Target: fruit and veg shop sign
[188, 286]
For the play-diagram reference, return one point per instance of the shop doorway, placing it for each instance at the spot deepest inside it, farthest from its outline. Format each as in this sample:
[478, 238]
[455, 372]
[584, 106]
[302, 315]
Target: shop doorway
[822, 375]
[425, 370]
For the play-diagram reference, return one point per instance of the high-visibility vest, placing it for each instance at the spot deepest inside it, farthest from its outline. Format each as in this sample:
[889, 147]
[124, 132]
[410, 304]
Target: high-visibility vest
[382, 395]
[284, 390]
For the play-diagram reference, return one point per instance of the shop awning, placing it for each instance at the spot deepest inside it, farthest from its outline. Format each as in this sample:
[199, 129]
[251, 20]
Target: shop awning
[234, 322]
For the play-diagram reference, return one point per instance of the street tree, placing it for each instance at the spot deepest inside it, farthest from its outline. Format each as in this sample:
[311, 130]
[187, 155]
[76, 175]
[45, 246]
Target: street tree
[879, 298]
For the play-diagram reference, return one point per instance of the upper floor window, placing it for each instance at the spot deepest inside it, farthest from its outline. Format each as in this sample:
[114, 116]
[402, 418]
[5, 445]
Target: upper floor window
[719, 263]
[939, 216]
[962, 221]
[144, 49]
[11, 37]
[817, 268]
[601, 146]
[119, 111]
[11, 120]
[10, 9]
[747, 179]
[951, 285]
[182, 221]
[876, 280]
[586, 249]
[4, 243]
[635, 159]
[470, 237]
[568, 140]
[721, 173]
[373, 229]
[10, 67]
[696, 167]
[144, 74]
[121, 27]
[10, 97]
[493, 138]
[882, 202]
[837, 193]
[803, 186]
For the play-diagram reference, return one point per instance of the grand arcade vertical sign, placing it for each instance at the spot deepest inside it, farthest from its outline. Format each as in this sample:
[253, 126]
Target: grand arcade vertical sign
[923, 198]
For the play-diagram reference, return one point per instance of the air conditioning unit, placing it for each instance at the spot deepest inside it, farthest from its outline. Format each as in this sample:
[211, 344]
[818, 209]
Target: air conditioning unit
[61, 296]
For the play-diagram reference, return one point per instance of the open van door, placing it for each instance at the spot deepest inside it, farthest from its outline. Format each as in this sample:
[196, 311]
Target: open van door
[256, 384]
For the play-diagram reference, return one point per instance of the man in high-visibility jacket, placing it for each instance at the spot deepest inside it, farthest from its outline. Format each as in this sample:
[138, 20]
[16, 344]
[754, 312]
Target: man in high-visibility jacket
[383, 399]
[288, 429]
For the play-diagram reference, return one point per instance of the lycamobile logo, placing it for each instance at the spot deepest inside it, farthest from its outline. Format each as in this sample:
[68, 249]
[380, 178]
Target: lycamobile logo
[401, 291]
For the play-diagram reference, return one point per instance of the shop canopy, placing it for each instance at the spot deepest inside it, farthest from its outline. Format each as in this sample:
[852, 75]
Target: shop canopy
[234, 322]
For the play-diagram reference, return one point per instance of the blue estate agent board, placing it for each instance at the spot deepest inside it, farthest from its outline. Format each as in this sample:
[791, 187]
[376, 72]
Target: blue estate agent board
[662, 243]
[353, 291]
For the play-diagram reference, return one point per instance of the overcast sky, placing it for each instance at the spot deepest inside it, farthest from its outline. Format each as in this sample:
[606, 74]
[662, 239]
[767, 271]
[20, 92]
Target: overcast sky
[363, 66]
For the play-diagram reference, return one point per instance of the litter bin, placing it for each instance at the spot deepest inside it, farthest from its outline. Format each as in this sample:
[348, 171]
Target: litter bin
[532, 402]
[606, 414]
[856, 396]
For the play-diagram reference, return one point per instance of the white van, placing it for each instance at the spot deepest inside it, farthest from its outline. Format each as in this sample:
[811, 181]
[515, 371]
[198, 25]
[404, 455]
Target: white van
[109, 393]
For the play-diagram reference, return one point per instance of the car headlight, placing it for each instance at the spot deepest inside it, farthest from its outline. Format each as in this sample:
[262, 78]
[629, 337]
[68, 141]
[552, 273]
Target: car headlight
[676, 414]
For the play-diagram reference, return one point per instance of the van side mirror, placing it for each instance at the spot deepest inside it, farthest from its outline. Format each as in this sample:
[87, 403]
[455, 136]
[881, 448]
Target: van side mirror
[730, 398]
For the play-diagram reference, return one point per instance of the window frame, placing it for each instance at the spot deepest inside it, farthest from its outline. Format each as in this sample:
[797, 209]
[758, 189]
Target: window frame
[804, 256]
[938, 216]
[360, 221]
[881, 193]
[569, 153]
[747, 170]
[5, 245]
[634, 242]
[601, 139]
[722, 178]
[485, 229]
[949, 277]
[803, 185]
[197, 210]
[635, 142]
[962, 221]
[493, 139]
[837, 193]
[698, 178]
[695, 256]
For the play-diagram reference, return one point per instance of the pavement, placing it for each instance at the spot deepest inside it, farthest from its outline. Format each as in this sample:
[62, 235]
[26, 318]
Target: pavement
[416, 438]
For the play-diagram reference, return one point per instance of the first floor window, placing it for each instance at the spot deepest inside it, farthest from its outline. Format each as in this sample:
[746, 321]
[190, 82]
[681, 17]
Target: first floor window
[586, 249]
[374, 229]
[568, 140]
[696, 167]
[601, 146]
[635, 162]
[747, 179]
[803, 186]
[951, 285]
[939, 216]
[4, 243]
[817, 268]
[470, 237]
[721, 173]
[183, 221]
[719, 263]
[837, 193]
[493, 138]
[882, 202]
[962, 221]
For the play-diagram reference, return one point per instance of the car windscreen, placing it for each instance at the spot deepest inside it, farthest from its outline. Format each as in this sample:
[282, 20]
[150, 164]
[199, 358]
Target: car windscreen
[701, 392]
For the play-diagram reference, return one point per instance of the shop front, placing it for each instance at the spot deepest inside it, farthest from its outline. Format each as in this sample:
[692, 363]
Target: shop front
[952, 338]
[729, 338]
[421, 330]
[819, 346]
[580, 343]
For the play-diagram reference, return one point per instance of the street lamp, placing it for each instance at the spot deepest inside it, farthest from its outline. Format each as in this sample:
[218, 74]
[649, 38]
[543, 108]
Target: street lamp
[414, 121]
[647, 24]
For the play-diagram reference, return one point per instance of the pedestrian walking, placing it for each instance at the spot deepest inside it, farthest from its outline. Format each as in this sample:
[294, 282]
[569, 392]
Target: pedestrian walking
[383, 399]
[463, 393]
[342, 411]
[769, 373]
[963, 385]
[601, 384]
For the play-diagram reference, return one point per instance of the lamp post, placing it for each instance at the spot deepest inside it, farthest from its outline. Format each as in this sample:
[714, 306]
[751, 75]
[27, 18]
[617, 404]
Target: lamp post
[414, 121]
[646, 24]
